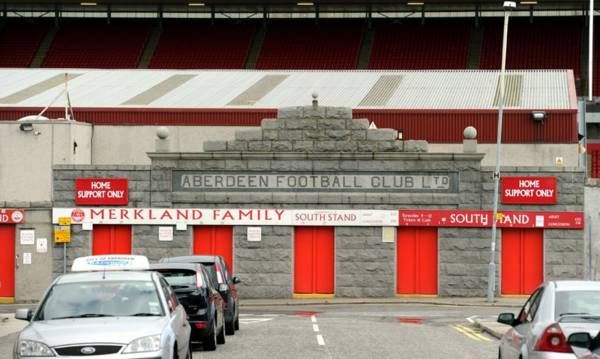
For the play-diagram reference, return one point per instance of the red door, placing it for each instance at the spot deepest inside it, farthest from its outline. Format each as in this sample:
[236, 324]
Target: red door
[522, 260]
[314, 260]
[214, 241]
[7, 262]
[109, 239]
[417, 261]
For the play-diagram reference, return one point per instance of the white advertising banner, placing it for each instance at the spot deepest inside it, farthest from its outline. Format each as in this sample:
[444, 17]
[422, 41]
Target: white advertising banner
[229, 216]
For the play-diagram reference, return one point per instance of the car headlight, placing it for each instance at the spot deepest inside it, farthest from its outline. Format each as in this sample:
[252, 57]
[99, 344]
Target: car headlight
[144, 344]
[30, 348]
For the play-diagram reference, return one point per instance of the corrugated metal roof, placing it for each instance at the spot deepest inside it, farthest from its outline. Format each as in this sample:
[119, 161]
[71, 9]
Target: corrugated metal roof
[437, 90]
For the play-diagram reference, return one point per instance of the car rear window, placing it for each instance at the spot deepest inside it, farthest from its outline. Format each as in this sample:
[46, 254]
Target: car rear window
[577, 302]
[179, 277]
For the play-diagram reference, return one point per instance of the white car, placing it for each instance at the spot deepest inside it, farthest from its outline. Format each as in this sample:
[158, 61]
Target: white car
[552, 313]
[111, 308]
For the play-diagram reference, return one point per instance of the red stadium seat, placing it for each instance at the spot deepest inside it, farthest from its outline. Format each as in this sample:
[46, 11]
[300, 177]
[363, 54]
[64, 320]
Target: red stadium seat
[552, 43]
[19, 40]
[200, 45]
[437, 44]
[303, 45]
[95, 44]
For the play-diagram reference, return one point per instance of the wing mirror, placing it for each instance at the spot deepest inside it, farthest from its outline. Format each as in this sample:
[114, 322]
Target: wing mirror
[580, 340]
[24, 314]
[506, 318]
[235, 280]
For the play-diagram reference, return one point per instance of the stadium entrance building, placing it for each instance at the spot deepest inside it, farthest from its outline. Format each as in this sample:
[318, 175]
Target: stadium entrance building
[314, 203]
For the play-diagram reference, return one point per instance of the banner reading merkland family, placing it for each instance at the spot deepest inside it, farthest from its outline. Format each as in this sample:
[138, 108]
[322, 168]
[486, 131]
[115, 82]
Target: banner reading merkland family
[229, 216]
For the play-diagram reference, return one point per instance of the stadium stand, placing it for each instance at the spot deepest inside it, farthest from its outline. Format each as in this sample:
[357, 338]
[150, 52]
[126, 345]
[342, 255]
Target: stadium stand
[19, 41]
[93, 43]
[437, 44]
[301, 44]
[552, 43]
[200, 45]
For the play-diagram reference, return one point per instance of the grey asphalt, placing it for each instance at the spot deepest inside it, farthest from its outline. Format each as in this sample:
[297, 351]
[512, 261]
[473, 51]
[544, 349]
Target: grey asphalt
[349, 328]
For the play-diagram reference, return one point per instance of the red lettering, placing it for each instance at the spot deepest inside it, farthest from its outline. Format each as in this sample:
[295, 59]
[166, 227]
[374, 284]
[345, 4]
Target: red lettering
[150, 214]
[246, 214]
[165, 214]
[196, 214]
[279, 213]
[228, 215]
[215, 214]
[182, 214]
[97, 213]
[137, 214]
[112, 213]
[124, 213]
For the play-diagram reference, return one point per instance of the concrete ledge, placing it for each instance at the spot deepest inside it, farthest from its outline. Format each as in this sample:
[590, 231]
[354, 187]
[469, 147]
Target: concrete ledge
[491, 326]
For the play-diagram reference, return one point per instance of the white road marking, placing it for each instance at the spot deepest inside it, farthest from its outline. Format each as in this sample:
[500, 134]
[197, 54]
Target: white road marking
[313, 318]
[471, 319]
[315, 327]
[320, 339]
[254, 320]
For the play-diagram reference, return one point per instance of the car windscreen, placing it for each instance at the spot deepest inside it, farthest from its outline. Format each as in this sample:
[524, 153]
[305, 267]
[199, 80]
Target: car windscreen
[580, 303]
[179, 277]
[100, 299]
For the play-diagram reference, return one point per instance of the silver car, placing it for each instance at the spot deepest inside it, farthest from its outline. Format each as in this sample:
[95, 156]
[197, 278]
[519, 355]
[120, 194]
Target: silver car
[106, 314]
[552, 313]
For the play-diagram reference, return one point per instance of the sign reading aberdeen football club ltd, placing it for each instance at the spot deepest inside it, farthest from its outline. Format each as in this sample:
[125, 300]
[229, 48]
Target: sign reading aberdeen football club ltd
[483, 219]
[11, 216]
[105, 191]
[529, 190]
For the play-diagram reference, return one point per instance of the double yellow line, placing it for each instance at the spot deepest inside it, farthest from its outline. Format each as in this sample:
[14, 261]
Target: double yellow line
[471, 333]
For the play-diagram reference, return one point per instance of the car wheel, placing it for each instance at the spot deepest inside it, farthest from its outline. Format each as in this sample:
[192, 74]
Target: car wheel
[236, 324]
[221, 336]
[230, 327]
[209, 342]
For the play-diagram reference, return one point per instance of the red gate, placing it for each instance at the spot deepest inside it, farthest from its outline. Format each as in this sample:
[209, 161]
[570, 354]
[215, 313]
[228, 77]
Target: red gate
[314, 260]
[111, 239]
[7, 262]
[522, 260]
[417, 261]
[214, 241]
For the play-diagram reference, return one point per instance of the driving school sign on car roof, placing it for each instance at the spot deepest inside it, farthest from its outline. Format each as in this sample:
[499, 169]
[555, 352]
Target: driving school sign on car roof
[229, 216]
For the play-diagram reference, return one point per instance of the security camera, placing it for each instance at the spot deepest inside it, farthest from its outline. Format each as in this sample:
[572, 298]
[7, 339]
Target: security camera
[509, 5]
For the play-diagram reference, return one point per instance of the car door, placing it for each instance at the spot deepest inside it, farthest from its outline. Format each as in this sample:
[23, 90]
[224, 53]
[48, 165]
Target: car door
[177, 319]
[516, 339]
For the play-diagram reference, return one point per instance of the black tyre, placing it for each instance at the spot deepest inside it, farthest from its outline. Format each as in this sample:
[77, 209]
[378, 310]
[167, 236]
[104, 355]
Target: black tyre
[230, 327]
[236, 323]
[209, 342]
[221, 336]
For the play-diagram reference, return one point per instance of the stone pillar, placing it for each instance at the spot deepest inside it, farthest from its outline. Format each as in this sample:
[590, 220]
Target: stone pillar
[470, 140]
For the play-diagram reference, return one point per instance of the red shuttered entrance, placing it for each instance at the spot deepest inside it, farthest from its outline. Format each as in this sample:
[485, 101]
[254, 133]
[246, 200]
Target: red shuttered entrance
[7, 263]
[214, 241]
[417, 261]
[522, 260]
[109, 239]
[314, 260]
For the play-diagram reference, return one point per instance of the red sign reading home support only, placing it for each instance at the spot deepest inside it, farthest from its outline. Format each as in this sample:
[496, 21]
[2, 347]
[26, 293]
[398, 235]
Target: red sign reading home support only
[483, 219]
[529, 190]
[93, 191]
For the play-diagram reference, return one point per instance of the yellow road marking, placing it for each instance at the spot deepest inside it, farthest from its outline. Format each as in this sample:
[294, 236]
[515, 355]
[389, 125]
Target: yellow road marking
[471, 333]
[466, 333]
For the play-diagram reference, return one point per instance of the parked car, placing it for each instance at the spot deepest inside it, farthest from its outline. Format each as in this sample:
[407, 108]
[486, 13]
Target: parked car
[554, 312]
[219, 272]
[202, 301]
[110, 306]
